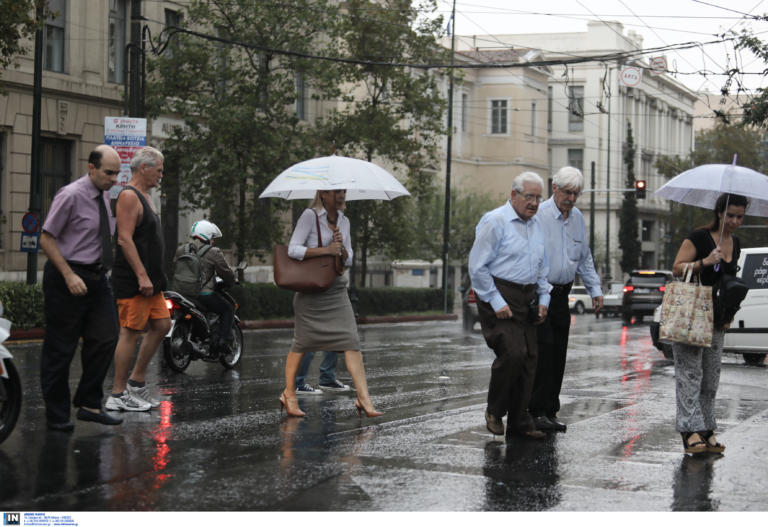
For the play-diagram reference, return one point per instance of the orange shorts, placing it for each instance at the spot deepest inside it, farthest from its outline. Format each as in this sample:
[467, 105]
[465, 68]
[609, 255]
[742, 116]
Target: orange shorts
[136, 311]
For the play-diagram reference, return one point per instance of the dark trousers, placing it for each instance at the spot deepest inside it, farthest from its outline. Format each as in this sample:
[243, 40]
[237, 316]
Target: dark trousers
[514, 343]
[215, 303]
[92, 317]
[553, 347]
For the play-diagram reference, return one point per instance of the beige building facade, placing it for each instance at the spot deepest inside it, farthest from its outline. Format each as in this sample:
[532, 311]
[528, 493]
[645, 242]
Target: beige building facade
[84, 70]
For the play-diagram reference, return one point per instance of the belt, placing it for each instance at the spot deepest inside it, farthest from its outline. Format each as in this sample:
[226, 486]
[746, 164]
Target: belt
[560, 289]
[515, 285]
[90, 268]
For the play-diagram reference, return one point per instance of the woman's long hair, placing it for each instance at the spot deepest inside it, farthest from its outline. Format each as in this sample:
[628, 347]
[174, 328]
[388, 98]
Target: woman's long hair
[732, 199]
[317, 203]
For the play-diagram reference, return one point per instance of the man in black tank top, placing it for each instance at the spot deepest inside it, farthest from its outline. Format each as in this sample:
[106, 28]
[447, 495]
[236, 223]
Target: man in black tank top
[138, 282]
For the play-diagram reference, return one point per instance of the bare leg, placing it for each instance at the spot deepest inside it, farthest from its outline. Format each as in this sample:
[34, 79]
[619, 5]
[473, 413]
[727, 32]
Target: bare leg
[288, 397]
[126, 347]
[158, 328]
[354, 362]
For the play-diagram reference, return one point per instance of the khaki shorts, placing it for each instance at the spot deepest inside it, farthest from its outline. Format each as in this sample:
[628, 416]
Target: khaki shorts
[135, 312]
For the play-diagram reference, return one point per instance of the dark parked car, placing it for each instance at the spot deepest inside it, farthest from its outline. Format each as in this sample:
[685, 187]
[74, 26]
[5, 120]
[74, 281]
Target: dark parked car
[643, 292]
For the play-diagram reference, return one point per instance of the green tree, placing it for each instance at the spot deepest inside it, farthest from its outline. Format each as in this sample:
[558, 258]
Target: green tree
[238, 103]
[628, 236]
[715, 145]
[17, 22]
[390, 112]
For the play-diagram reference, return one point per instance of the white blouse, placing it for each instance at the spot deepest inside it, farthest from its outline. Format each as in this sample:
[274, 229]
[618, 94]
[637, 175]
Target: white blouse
[305, 234]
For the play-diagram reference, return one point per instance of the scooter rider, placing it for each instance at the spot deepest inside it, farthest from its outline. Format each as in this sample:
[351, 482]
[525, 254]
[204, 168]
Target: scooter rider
[212, 264]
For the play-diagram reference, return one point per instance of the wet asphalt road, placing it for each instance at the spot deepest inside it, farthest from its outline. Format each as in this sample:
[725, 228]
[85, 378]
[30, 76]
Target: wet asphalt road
[218, 441]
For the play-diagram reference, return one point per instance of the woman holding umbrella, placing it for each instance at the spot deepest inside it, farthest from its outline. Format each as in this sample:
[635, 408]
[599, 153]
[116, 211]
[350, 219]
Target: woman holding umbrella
[325, 321]
[713, 250]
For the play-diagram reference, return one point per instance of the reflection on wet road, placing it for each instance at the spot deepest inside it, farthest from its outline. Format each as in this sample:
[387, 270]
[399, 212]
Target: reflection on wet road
[218, 441]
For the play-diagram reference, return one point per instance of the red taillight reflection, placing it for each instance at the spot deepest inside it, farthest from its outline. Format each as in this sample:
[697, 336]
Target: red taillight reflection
[169, 304]
[628, 288]
[662, 288]
[471, 297]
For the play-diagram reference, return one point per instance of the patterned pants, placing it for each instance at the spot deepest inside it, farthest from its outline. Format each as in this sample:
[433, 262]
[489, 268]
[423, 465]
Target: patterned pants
[697, 375]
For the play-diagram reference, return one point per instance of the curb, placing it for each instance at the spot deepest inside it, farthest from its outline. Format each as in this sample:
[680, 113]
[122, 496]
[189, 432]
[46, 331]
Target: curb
[39, 333]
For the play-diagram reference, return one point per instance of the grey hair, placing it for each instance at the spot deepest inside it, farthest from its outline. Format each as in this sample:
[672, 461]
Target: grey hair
[527, 177]
[146, 156]
[569, 177]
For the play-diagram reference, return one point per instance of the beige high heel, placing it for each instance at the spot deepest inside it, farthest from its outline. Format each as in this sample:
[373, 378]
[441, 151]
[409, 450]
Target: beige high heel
[291, 405]
[368, 413]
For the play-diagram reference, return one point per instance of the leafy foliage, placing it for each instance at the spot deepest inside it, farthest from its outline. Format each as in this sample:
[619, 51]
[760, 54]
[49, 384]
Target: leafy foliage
[17, 22]
[22, 304]
[629, 242]
[715, 145]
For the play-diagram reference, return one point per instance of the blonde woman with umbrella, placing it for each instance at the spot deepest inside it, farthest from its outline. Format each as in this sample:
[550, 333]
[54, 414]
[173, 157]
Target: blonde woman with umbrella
[325, 321]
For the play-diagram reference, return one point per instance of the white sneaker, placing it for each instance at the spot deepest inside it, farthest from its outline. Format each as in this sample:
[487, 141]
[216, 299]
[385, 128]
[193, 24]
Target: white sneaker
[306, 389]
[127, 403]
[143, 394]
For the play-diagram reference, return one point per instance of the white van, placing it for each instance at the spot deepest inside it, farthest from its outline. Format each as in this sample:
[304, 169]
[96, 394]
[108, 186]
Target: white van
[748, 333]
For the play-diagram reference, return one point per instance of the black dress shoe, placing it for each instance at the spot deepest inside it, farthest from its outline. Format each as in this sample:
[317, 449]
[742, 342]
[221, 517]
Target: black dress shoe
[544, 423]
[494, 424]
[100, 417]
[66, 426]
[557, 425]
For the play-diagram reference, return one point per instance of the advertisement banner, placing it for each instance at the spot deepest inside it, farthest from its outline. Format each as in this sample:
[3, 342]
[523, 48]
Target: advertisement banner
[126, 135]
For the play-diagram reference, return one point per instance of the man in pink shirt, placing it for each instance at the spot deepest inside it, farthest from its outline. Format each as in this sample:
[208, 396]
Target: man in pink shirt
[77, 239]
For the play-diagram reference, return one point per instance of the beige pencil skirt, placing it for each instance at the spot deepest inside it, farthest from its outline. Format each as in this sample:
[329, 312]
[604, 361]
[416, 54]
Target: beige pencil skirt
[325, 321]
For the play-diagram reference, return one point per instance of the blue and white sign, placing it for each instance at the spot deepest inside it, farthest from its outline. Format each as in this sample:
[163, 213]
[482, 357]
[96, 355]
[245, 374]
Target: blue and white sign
[126, 135]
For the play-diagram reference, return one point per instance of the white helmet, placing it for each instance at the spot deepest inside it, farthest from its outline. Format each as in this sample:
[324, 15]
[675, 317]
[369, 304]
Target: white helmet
[204, 231]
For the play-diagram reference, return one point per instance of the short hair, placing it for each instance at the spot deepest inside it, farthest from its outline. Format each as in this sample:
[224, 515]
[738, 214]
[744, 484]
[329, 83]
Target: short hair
[146, 156]
[569, 177]
[94, 158]
[527, 177]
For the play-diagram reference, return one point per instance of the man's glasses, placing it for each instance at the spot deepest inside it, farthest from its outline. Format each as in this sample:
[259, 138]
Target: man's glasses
[570, 193]
[532, 198]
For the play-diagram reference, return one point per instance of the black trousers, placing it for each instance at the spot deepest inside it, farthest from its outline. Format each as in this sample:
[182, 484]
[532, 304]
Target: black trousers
[216, 303]
[92, 317]
[553, 347]
[514, 343]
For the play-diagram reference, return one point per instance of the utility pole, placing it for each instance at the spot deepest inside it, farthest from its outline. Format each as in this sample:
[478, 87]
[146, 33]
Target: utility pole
[35, 183]
[592, 212]
[608, 186]
[135, 60]
[447, 219]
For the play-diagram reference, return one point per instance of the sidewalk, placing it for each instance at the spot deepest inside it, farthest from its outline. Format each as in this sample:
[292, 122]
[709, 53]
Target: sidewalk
[38, 333]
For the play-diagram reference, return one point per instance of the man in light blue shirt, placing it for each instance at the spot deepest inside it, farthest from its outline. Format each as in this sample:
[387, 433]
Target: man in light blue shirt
[508, 268]
[568, 255]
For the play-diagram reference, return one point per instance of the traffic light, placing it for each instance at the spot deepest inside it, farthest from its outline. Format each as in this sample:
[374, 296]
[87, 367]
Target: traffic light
[640, 189]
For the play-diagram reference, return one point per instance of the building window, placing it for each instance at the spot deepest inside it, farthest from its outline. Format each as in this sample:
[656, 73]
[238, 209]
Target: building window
[499, 116]
[464, 112]
[533, 118]
[576, 158]
[116, 50]
[301, 97]
[55, 168]
[53, 37]
[172, 19]
[549, 108]
[647, 231]
[575, 108]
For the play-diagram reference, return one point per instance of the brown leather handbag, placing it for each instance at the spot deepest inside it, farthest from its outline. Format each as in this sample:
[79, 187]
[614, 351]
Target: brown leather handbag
[311, 275]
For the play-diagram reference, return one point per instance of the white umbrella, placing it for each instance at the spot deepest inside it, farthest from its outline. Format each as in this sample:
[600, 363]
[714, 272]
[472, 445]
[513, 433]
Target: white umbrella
[361, 179]
[702, 185]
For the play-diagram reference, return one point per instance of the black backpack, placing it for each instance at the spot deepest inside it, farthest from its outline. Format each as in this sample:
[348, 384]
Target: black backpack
[187, 272]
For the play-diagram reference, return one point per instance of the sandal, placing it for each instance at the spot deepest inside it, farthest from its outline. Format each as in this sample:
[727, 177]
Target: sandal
[693, 444]
[712, 444]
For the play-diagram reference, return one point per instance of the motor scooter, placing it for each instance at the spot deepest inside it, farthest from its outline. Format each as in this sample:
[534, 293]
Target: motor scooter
[194, 333]
[10, 384]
